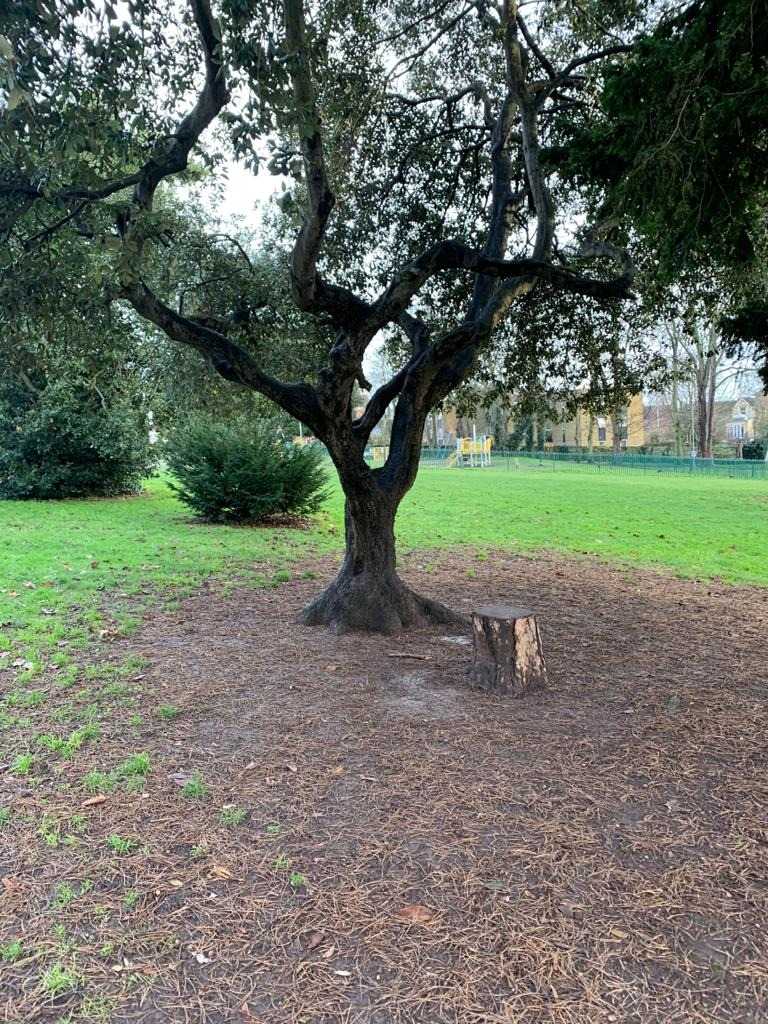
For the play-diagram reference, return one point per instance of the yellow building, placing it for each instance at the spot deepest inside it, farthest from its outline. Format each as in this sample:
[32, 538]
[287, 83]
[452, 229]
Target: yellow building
[587, 430]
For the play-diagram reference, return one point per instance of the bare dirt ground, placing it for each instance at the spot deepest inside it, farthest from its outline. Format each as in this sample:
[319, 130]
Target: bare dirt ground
[415, 852]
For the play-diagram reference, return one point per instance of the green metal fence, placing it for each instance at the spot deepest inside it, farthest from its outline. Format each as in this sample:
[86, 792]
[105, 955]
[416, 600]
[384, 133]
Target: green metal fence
[603, 462]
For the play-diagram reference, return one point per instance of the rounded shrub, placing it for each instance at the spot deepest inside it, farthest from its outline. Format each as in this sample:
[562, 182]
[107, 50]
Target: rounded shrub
[755, 449]
[62, 439]
[243, 473]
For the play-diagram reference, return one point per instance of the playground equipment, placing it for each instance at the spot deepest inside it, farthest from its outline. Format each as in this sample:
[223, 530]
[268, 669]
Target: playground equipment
[472, 451]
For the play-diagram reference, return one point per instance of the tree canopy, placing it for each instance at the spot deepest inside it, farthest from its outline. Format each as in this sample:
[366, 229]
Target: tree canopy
[418, 142]
[678, 149]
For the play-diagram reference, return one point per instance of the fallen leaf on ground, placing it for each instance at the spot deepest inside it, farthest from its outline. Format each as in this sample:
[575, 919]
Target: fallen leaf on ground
[328, 953]
[30, 584]
[93, 801]
[416, 913]
[343, 974]
[219, 871]
[314, 940]
[180, 778]
[202, 958]
[291, 767]
[619, 933]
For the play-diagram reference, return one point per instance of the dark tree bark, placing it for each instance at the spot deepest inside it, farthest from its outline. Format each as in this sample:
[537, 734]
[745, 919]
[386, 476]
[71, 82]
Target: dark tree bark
[368, 594]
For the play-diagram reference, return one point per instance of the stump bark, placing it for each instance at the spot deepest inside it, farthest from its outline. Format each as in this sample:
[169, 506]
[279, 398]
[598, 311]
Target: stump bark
[508, 655]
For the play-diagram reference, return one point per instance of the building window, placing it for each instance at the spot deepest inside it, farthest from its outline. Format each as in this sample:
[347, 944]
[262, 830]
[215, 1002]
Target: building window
[601, 434]
[736, 430]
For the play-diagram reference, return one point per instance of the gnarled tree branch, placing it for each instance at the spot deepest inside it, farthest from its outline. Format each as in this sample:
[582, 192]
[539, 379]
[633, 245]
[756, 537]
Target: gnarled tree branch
[231, 360]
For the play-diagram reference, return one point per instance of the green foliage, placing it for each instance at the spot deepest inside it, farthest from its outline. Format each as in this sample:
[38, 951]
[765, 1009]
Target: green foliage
[682, 139]
[240, 473]
[755, 450]
[63, 439]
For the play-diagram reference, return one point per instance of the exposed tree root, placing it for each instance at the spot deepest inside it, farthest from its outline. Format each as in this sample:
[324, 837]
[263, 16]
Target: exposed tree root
[367, 603]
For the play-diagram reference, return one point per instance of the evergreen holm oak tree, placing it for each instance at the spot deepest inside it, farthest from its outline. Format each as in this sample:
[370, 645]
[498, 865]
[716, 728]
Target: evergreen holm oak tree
[416, 136]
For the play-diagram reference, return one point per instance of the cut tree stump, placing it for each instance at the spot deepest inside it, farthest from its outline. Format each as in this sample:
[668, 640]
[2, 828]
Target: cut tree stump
[508, 655]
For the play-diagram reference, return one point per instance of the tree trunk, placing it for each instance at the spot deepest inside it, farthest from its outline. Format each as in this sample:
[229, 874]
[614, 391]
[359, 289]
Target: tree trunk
[616, 431]
[368, 594]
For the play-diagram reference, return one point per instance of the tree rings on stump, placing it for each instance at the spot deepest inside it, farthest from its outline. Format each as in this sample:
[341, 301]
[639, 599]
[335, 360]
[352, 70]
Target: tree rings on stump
[508, 655]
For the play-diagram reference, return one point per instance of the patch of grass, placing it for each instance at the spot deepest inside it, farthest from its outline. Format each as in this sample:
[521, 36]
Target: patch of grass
[12, 952]
[69, 746]
[297, 879]
[136, 544]
[5, 816]
[231, 816]
[167, 712]
[121, 691]
[679, 523]
[194, 788]
[121, 845]
[49, 829]
[65, 894]
[131, 898]
[99, 1008]
[281, 576]
[136, 765]
[282, 862]
[99, 782]
[58, 978]
[22, 764]
[32, 698]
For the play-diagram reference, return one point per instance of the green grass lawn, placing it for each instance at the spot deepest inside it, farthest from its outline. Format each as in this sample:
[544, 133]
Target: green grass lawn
[60, 560]
[700, 527]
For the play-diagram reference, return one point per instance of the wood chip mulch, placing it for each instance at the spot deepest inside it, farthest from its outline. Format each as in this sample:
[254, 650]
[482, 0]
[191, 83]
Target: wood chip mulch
[413, 851]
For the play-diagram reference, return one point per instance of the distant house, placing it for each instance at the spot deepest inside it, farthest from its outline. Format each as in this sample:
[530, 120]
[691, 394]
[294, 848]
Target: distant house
[741, 423]
[733, 421]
